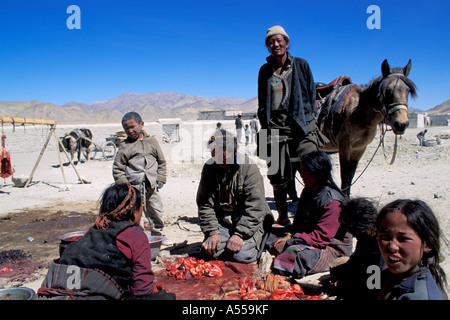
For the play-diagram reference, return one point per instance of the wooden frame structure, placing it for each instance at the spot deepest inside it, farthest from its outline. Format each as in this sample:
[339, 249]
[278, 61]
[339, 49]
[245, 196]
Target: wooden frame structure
[52, 124]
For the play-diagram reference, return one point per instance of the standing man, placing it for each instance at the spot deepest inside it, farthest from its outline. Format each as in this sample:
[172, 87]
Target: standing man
[254, 127]
[239, 127]
[286, 96]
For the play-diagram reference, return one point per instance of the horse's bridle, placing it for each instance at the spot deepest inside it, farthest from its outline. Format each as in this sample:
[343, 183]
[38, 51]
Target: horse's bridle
[398, 105]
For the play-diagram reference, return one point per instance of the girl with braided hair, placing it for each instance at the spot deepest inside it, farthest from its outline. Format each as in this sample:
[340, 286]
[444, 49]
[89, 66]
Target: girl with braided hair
[112, 260]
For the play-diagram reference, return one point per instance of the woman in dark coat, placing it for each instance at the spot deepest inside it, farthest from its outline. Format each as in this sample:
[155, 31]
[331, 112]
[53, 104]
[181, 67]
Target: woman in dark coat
[316, 238]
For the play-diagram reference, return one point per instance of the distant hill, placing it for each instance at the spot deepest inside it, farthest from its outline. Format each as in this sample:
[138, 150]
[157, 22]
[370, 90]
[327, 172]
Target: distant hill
[442, 108]
[151, 106]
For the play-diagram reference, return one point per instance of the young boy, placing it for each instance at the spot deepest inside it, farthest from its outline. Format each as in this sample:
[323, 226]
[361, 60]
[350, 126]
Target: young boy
[140, 161]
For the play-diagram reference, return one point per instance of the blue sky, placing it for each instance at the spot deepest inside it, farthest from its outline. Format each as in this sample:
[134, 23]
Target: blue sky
[211, 47]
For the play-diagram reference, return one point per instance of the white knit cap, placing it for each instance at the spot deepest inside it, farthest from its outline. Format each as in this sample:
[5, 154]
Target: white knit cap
[276, 30]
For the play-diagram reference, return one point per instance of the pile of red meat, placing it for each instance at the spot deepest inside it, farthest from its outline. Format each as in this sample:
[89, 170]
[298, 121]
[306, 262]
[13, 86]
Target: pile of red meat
[191, 267]
[272, 288]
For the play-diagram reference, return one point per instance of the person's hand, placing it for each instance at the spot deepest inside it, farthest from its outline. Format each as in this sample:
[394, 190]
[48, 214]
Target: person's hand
[212, 244]
[160, 185]
[280, 244]
[234, 244]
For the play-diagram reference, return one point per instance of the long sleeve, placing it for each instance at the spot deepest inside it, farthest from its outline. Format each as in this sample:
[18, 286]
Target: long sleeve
[135, 246]
[162, 166]
[205, 202]
[119, 165]
[326, 229]
[255, 206]
[262, 97]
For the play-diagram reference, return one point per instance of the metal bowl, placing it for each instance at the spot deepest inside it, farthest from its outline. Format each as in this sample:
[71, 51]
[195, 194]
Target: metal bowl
[19, 182]
[21, 293]
[69, 238]
[155, 245]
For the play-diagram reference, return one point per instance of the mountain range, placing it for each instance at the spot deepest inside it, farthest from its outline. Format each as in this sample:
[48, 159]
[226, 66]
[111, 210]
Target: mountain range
[151, 106]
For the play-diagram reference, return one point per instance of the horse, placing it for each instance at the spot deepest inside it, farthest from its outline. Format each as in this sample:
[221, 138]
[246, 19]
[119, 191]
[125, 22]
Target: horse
[349, 115]
[75, 141]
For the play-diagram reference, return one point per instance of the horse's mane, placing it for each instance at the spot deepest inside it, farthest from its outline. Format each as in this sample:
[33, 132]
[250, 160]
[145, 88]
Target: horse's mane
[379, 85]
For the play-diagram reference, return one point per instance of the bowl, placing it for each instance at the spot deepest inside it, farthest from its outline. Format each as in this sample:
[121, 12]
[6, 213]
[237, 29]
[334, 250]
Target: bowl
[155, 245]
[69, 238]
[21, 293]
[19, 182]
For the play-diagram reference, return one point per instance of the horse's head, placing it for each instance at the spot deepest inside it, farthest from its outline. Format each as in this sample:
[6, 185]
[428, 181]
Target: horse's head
[394, 90]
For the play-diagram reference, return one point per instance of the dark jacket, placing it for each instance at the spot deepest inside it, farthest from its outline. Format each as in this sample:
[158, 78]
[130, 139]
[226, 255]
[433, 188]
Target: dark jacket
[98, 249]
[419, 286]
[302, 92]
[248, 196]
[317, 225]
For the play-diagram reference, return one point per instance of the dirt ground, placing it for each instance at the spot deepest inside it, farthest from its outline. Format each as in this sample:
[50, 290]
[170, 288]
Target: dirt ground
[33, 219]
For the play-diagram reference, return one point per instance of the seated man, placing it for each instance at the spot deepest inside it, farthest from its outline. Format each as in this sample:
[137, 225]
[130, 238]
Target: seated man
[231, 203]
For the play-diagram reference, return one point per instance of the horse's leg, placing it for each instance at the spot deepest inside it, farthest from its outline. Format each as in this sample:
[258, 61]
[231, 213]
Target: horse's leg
[346, 175]
[349, 162]
[79, 154]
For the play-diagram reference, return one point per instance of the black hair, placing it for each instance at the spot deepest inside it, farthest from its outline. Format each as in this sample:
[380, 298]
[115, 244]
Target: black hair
[319, 164]
[132, 116]
[358, 216]
[422, 220]
[114, 195]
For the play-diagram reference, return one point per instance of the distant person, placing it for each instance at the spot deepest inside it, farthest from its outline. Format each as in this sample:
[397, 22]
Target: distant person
[247, 134]
[219, 126]
[232, 207]
[409, 239]
[140, 161]
[254, 127]
[239, 124]
[286, 97]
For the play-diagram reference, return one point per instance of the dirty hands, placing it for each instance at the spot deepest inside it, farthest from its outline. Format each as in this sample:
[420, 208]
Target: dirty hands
[234, 244]
[280, 244]
[211, 245]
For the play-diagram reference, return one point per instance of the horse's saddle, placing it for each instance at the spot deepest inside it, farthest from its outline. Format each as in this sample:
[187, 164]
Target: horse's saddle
[331, 100]
[78, 133]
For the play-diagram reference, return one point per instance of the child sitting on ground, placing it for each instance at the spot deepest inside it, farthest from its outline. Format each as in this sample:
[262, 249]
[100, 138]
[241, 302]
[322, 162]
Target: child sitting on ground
[409, 239]
[358, 216]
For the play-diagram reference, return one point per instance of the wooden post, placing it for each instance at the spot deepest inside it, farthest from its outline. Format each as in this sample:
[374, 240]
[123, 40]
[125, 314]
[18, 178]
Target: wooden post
[52, 130]
[70, 160]
[23, 121]
[59, 157]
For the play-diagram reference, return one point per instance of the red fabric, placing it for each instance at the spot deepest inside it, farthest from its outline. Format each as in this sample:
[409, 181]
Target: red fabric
[5, 161]
[133, 243]
[327, 227]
